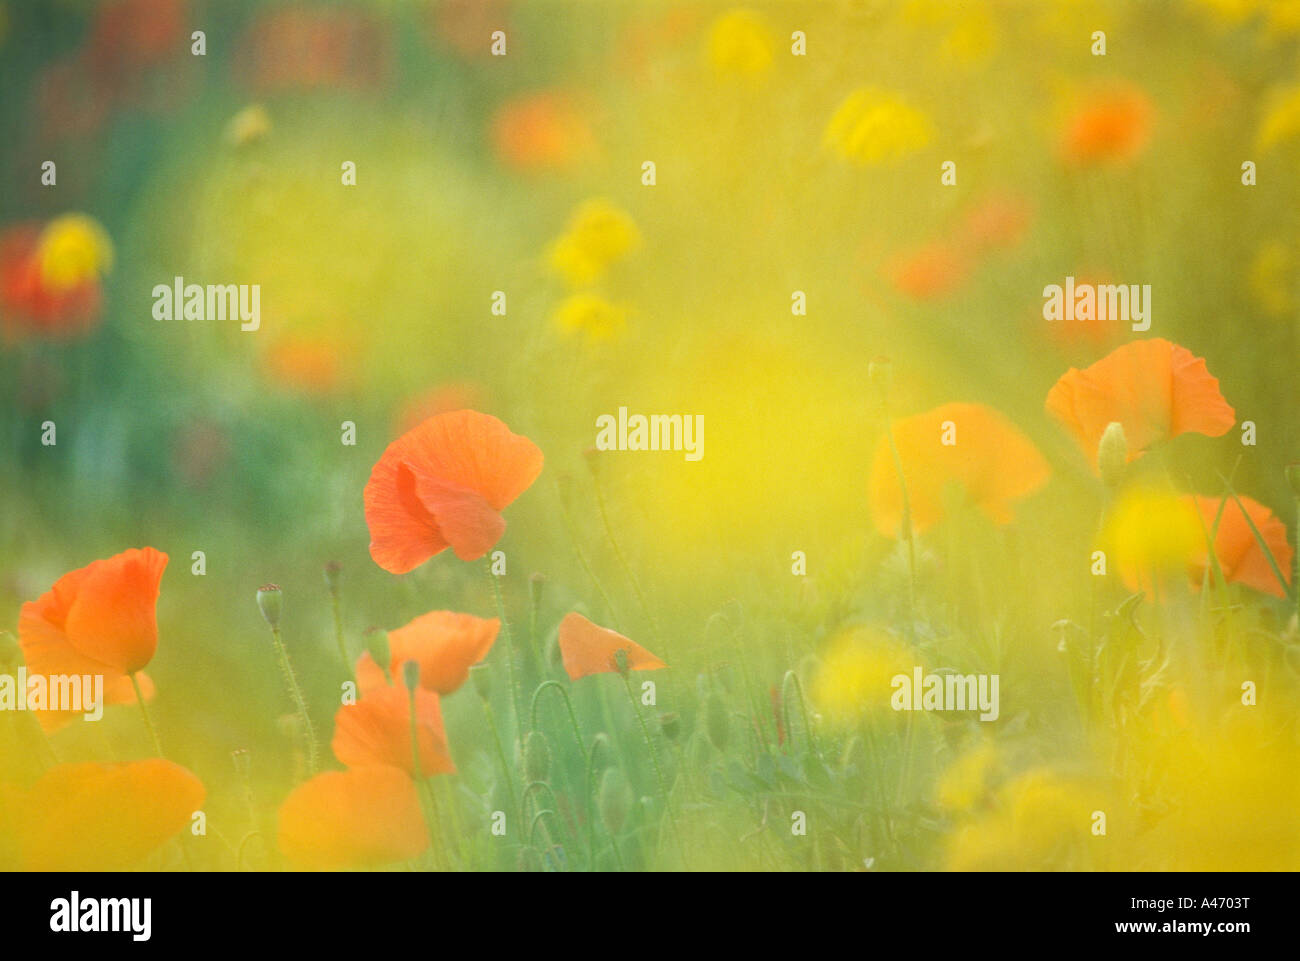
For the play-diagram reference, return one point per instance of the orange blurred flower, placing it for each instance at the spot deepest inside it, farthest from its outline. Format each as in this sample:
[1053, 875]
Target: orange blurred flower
[930, 272]
[99, 619]
[361, 817]
[443, 485]
[445, 645]
[29, 304]
[105, 817]
[988, 461]
[377, 730]
[453, 395]
[313, 365]
[588, 648]
[1240, 557]
[998, 221]
[541, 130]
[1111, 126]
[1155, 388]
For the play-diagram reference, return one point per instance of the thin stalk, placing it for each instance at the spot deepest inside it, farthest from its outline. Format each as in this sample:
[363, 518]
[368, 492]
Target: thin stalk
[510, 646]
[654, 758]
[291, 681]
[144, 712]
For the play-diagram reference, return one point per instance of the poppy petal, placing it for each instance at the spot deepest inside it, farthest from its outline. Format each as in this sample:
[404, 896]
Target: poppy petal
[377, 730]
[588, 648]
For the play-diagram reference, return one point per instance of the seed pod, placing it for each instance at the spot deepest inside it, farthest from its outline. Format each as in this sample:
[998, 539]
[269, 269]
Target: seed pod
[613, 799]
[269, 603]
[537, 756]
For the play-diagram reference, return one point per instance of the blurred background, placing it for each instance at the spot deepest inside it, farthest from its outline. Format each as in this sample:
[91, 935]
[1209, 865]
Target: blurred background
[523, 174]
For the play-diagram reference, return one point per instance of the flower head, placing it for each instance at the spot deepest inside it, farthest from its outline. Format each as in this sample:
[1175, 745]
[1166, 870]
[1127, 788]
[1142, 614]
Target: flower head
[444, 643]
[1155, 389]
[377, 730]
[1238, 552]
[874, 126]
[444, 484]
[588, 648]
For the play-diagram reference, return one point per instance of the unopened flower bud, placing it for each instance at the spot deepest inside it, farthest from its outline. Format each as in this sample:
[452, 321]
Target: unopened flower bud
[1112, 454]
[537, 756]
[269, 603]
[332, 571]
[411, 675]
[670, 722]
[620, 661]
[613, 799]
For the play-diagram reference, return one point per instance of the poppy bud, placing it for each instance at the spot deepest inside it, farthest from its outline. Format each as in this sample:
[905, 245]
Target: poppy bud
[377, 645]
[535, 585]
[242, 761]
[1112, 454]
[411, 675]
[268, 602]
[481, 675]
[537, 756]
[1293, 477]
[717, 722]
[332, 570]
[670, 722]
[613, 799]
[620, 661]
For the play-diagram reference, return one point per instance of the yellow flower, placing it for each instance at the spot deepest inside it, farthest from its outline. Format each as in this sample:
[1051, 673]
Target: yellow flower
[592, 315]
[740, 43]
[73, 249]
[1270, 279]
[856, 674]
[1041, 821]
[1150, 533]
[873, 126]
[1282, 122]
[248, 126]
[966, 781]
[598, 235]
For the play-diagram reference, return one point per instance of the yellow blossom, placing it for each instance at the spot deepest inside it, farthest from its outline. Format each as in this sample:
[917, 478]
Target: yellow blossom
[598, 235]
[740, 42]
[592, 315]
[873, 126]
[73, 249]
[856, 673]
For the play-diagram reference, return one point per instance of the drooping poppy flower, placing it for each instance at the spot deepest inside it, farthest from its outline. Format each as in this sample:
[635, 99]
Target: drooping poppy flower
[30, 306]
[377, 730]
[1240, 557]
[588, 648]
[544, 130]
[1110, 127]
[361, 817]
[444, 484]
[99, 619]
[105, 817]
[1155, 388]
[444, 643]
[969, 448]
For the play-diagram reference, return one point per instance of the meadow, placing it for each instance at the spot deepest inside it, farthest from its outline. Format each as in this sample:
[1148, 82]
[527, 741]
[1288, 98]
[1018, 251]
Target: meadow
[549, 436]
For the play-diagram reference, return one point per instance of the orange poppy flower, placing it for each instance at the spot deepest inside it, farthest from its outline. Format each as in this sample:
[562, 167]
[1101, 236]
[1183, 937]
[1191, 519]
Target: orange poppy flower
[443, 485]
[361, 817]
[1155, 388]
[1240, 557]
[542, 130]
[377, 730]
[931, 272]
[445, 645]
[997, 222]
[588, 648]
[989, 460]
[1113, 126]
[105, 817]
[99, 619]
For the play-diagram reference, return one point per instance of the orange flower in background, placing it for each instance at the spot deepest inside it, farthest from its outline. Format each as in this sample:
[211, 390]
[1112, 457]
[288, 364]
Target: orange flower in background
[999, 221]
[99, 619]
[32, 306]
[931, 272]
[444, 484]
[361, 817]
[444, 643]
[310, 364]
[539, 131]
[1154, 388]
[105, 817]
[588, 648]
[1112, 126]
[453, 395]
[1240, 557]
[989, 462]
[377, 730]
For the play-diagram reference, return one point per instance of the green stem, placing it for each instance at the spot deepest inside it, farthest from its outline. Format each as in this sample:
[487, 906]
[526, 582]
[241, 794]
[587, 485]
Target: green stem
[144, 712]
[803, 709]
[622, 560]
[291, 681]
[654, 759]
[582, 556]
[501, 754]
[510, 646]
[338, 634]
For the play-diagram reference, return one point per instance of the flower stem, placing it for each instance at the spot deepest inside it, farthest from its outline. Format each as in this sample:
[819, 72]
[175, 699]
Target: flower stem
[510, 646]
[144, 712]
[654, 758]
[291, 681]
